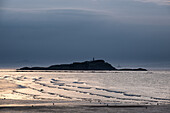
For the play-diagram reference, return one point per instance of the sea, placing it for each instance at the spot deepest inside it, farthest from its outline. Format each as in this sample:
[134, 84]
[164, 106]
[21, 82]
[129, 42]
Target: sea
[116, 87]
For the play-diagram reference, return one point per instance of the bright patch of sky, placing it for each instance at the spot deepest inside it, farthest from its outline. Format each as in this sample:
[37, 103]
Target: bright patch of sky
[161, 2]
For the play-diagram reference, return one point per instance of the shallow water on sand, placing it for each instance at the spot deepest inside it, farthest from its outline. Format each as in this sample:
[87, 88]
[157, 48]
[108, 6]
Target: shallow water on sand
[118, 87]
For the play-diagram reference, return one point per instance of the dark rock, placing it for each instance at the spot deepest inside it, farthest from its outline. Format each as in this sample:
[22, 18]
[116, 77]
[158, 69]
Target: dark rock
[138, 69]
[87, 65]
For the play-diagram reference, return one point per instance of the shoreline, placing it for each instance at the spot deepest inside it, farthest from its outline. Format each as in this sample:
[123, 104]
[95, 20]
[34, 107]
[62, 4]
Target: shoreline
[78, 107]
[22, 100]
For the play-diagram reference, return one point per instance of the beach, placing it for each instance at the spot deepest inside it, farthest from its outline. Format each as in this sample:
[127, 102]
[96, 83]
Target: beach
[80, 92]
[78, 107]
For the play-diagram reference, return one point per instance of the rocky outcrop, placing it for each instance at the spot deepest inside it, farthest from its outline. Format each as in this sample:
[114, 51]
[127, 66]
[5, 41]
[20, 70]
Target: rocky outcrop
[87, 65]
[138, 69]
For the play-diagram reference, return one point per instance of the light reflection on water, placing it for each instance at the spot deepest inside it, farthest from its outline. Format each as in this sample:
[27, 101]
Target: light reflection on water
[105, 86]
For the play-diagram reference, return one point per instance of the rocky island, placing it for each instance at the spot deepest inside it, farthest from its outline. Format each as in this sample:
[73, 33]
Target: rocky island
[86, 65]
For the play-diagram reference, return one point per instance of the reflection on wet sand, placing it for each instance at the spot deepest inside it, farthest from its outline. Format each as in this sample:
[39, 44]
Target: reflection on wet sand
[90, 88]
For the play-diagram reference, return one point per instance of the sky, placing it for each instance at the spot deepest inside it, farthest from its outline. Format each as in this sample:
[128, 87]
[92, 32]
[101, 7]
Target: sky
[122, 32]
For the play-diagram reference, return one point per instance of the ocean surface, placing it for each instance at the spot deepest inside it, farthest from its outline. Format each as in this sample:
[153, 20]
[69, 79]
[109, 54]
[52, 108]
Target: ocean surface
[116, 87]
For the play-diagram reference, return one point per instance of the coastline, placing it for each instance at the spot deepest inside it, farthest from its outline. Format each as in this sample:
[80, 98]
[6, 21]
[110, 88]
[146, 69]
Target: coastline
[20, 106]
[72, 106]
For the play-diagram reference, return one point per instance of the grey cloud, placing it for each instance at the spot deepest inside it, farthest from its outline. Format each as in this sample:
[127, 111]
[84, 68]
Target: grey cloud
[66, 35]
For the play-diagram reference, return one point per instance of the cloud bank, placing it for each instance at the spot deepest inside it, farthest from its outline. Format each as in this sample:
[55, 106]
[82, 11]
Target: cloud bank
[72, 35]
[45, 32]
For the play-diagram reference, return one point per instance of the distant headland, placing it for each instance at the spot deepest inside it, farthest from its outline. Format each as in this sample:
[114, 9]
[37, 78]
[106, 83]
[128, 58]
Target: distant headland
[86, 65]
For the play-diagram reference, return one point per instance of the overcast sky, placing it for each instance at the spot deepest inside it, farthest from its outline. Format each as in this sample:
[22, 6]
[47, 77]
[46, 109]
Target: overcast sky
[45, 32]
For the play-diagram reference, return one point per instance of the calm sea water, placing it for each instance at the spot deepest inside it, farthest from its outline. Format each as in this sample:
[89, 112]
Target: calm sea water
[119, 87]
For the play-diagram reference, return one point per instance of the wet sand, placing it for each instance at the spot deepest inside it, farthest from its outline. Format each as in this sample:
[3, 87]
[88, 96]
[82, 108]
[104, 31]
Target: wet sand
[61, 106]
[33, 106]
[6, 85]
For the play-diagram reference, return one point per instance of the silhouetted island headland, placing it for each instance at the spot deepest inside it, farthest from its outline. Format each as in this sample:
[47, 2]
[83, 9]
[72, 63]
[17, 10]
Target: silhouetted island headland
[86, 65]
